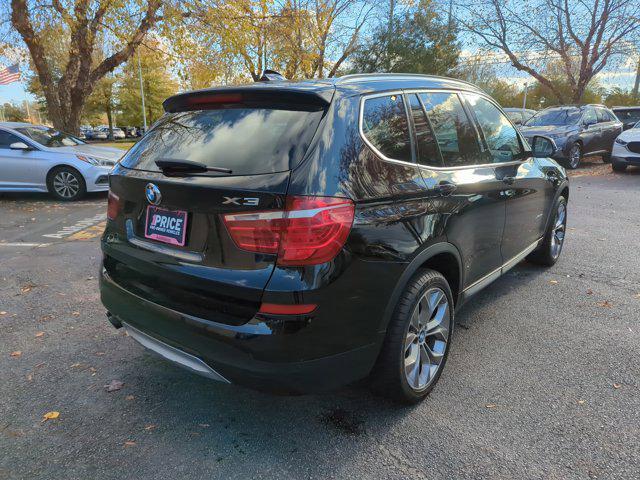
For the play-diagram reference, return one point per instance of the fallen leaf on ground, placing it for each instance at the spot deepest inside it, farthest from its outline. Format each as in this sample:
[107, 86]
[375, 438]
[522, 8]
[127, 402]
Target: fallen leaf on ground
[637, 295]
[491, 405]
[17, 353]
[150, 427]
[617, 385]
[553, 282]
[589, 291]
[26, 288]
[75, 365]
[605, 304]
[3, 313]
[39, 334]
[44, 318]
[75, 314]
[581, 402]
[129, 397]
[50, 416]
[30, 378]
[204, 425]
[114, 385]
[99, 354]
[129, 443]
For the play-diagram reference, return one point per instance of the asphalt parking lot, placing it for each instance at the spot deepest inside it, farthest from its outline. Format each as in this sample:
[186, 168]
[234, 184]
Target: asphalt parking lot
[542, 380]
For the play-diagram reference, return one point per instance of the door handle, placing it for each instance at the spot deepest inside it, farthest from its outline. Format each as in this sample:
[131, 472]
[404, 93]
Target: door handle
[508, 180]
[445, 188]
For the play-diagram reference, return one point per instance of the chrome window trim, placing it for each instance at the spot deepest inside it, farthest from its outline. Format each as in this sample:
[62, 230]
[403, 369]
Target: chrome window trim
[382, 156]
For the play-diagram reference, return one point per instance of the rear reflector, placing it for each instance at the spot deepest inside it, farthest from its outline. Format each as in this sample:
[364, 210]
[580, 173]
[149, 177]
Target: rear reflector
[113, 205]
[279, 309]
[310, 231]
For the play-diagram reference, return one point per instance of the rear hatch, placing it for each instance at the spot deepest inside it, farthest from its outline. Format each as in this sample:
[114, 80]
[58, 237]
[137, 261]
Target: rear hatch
[213, 153]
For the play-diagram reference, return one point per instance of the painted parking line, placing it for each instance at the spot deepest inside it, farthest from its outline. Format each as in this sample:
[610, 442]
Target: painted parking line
[70, 230]
[88, 233]
[24, 244]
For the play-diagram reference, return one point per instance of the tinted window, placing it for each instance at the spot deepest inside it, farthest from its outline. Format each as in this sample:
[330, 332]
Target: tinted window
[589, 116]
[49, 137]
[602, 115]
[385, 125]
[427, 148]
[555, 116]
[628, 116]
[244, 140]
[6, 139]
[499, 133]
[456, 136]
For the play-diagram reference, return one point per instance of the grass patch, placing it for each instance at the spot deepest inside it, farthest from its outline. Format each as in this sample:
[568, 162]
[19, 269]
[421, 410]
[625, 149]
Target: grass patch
[121, 145]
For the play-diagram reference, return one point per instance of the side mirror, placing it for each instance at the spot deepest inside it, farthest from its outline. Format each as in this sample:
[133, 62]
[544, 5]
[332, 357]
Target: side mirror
[543, 147]
[19, 146]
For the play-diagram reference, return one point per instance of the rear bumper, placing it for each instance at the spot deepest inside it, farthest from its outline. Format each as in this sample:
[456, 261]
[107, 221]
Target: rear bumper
[252, 354]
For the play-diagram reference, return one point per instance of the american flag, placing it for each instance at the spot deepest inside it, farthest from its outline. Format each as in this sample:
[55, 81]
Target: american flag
[9, 74]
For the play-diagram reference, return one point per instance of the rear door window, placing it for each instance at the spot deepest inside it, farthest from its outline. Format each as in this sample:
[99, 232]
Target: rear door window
[427, 147]
[247, 141]
[589, 116]
[456, 135]
[499, 134]
[386, 127]
[602, 115]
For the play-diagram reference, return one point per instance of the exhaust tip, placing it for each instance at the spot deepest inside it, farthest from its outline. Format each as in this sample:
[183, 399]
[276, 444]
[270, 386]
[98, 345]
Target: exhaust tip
[115, 321]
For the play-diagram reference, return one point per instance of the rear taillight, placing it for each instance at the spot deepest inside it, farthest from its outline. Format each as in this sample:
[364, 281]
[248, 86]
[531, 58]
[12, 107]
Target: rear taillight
[310, 231]
[113, 205]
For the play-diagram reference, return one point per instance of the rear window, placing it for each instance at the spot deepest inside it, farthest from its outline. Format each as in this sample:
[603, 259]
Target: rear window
[247, 141]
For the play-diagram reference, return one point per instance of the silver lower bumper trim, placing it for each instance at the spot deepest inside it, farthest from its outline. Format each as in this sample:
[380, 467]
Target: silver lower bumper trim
[175, 355]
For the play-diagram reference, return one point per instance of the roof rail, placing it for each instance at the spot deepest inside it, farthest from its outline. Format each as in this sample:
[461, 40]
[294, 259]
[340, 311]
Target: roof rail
[354, 77]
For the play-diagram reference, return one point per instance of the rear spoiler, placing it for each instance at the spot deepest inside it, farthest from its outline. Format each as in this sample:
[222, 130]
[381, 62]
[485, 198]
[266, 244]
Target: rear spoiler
[256, 95]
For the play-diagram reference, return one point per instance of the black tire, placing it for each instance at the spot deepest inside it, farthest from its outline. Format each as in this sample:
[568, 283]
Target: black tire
[547, 254]
[575, 156]
[618, 167]
[606, 157]
[388, 377]
[75, 189]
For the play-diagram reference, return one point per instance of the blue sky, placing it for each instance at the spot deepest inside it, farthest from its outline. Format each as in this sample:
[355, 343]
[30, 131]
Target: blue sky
[13, 93]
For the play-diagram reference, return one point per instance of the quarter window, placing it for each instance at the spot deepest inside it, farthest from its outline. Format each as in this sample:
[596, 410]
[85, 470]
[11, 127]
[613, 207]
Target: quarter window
[385, 126]
[6, 139]
[500, 135]
[454, 132]
[427, 147]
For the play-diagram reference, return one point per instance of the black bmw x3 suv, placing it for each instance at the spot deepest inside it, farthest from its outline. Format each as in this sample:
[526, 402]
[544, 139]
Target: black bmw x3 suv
[299, 236]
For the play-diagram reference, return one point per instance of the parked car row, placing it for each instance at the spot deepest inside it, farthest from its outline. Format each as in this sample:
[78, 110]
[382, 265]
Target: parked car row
[36, 158]
[102, 132]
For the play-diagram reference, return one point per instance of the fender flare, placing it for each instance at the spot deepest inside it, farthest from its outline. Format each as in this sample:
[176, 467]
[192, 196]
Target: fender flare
[412, 267]
[564, 184]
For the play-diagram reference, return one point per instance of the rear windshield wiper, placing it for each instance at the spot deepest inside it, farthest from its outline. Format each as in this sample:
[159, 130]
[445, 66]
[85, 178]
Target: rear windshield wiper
[169, 166]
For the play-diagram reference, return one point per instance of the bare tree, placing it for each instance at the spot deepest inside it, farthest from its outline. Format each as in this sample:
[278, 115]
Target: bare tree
[582, 35]
[84, 22]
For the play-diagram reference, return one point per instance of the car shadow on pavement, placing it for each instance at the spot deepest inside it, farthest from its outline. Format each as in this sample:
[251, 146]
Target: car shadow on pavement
[202, 414]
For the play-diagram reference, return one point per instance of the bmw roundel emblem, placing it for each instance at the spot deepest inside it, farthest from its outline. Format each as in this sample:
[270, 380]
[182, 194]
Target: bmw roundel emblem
[153, 194]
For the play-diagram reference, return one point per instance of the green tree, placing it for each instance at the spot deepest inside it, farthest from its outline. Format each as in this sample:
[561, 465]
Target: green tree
[621, 98]
[420, 41]
[89, 28]
[13, 113]
[157, 82]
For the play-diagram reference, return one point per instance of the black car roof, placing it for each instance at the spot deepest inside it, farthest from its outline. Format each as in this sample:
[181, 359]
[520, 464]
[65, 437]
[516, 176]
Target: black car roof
[322, 90]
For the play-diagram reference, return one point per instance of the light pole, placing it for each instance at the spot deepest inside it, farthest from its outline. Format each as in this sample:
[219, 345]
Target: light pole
[144, 113]
[524, 100]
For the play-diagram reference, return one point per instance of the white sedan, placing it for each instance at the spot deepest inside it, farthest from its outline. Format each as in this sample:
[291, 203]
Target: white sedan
[626, 149]
[35, 158]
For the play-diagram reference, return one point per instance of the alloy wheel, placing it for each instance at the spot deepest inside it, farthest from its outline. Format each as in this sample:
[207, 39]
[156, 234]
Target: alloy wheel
[574, 156]
[426, 341]
[559, 227]
[66, 184]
